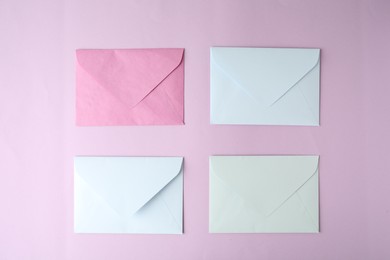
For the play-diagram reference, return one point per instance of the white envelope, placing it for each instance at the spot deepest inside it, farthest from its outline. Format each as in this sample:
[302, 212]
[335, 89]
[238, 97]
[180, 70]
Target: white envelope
[128, 195]
[265, 86]
[264, 194]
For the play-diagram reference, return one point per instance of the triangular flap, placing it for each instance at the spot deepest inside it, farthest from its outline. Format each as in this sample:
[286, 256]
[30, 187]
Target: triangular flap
[129, 74]
[265, 182]
[265, 73]
[127, 183]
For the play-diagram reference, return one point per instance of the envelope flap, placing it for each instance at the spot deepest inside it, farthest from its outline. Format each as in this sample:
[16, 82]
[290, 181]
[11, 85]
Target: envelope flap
[129, 74]
[265, 182]
[265, 73]
[127, 183]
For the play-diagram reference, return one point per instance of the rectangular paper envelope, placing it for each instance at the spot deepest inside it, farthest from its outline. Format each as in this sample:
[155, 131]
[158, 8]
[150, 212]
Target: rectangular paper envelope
[128, 195]
[265, 86]
[264, 194]
[130, 87]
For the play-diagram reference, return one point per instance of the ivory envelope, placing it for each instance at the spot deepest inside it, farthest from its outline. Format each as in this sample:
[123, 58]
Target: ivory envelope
[129, 87]
[128, 195]
[264, 194]
[265, 86]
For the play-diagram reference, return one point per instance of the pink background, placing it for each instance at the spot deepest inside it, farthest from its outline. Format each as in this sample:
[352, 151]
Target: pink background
[38, 137]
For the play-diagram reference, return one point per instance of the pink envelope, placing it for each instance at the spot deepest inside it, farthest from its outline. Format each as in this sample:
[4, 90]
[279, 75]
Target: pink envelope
[130, 87]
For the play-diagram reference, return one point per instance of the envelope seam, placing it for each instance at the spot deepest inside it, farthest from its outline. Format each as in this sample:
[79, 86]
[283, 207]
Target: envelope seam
[98, 195]
[288, 90]
[170, 212]
[102, 87]
[170, 102]
[237, 194]
[236, 83]
[159, 190]
[300, 90]
[181, 60]
[292, 194]
[307, 211]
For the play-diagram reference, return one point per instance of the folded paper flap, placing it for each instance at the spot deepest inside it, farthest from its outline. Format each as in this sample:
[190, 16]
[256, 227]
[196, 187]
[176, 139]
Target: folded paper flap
[129, 74]
[264, 182]
[265, 73]
[127, 183]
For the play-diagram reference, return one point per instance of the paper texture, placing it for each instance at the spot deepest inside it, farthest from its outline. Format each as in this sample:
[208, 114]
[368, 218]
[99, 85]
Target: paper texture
[265, 86]
[130, 87]
[264, 194]
[128, 195]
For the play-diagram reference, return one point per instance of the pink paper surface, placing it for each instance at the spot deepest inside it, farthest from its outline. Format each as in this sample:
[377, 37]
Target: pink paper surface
[38, 136]
[129, 87]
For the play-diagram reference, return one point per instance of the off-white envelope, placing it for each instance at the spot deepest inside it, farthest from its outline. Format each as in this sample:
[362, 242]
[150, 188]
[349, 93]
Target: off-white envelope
[264, 194]
[128, 195]
[265, 86]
